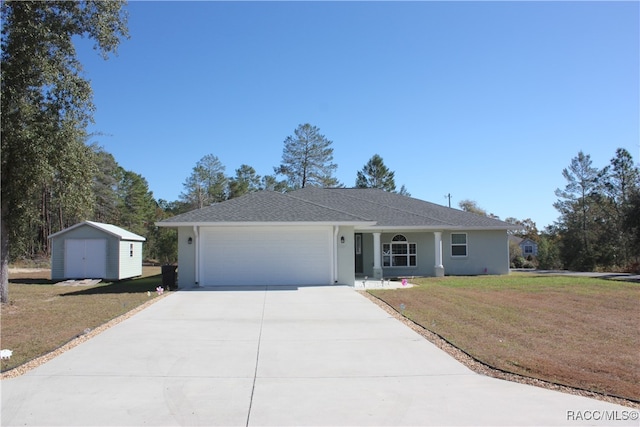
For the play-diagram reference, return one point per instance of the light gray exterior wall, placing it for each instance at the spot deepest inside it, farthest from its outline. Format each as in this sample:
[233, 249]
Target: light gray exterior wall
[57, 258]
[485, 250]
[130, 266]
[487, 253]
[186, 257]
[346, 259]
[114, 257]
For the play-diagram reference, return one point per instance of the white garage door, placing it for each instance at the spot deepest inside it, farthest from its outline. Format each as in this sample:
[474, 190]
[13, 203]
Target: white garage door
[266, 256]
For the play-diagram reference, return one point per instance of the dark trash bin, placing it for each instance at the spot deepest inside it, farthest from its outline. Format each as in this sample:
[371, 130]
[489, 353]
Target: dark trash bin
[169, 276]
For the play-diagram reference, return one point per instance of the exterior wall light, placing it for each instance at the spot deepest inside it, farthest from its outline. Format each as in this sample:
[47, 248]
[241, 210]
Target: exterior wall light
[190, 240]
[341, 239]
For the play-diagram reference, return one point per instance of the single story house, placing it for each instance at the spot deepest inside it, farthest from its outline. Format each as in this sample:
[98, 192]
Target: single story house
[93, 250]
[321, 236]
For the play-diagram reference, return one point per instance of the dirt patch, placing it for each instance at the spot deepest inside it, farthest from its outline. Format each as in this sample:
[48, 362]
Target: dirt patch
[30, 274]
[83, 282]
[19, 270]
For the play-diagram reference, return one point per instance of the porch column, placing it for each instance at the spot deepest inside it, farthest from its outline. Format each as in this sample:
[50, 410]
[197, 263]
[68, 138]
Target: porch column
[377, 268]
[438, 270]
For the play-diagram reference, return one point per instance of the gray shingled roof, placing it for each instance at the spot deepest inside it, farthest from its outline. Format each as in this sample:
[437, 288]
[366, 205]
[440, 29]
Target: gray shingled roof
[360, 206]
[394, 210]
[265, 206]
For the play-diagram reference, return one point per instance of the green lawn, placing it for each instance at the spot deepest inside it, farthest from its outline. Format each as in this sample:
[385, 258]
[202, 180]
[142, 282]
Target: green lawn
[580, 332]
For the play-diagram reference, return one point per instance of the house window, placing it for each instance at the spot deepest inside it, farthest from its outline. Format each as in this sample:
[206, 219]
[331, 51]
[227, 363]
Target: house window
[458, 244]
[131, 250]
[399, 253]
[528, 250]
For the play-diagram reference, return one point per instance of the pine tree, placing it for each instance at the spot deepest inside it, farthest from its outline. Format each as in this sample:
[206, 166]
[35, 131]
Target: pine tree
[621, 181]
[207, 183]
[245, 181]
[307, 159]
[578, 204]
[375, 174]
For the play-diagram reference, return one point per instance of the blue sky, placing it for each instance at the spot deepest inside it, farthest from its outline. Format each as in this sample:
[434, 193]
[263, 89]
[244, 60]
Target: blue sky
[487, 101]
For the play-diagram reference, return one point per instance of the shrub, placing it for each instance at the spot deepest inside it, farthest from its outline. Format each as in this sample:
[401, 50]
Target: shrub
[518, 262]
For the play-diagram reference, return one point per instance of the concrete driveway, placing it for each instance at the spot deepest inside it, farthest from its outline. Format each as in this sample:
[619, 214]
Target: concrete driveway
[277, 356]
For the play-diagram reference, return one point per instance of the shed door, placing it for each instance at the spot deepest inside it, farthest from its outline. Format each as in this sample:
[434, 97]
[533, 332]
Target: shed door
[85, 258]
[233, 256]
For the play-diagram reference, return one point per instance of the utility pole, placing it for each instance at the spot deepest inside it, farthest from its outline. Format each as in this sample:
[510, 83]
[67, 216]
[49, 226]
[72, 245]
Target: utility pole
[448, 196]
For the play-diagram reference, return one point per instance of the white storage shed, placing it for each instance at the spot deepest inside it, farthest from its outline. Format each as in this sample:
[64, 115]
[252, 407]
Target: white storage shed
[93, 250]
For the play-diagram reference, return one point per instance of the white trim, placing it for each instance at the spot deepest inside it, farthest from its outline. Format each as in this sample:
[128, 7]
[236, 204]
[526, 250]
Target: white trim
[378, 273]
[377, 259]
[111, 229]
[196, 232]
[264, 223]
[438, 248]
[367, 226]
[405, 228]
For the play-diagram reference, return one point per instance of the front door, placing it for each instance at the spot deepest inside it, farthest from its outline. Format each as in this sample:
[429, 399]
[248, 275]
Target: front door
[358, 253]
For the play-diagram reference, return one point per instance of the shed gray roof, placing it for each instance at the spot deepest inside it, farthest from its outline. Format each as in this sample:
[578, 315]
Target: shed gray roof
[114, 230]
[366, 207]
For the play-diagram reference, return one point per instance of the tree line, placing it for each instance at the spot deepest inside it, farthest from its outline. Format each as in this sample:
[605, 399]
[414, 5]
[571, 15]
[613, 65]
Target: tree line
[599, 224]
[599, 219]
